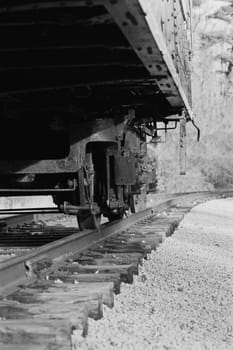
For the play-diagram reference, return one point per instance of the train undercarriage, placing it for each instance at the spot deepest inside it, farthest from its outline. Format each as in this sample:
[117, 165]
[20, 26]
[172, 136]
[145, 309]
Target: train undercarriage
[84, 84]
[103, 172]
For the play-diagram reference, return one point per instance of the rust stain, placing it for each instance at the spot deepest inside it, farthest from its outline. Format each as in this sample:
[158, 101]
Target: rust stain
[131, 18]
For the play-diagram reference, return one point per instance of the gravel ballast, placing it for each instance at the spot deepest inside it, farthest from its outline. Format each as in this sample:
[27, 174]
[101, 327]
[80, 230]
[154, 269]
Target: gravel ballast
[183, 296]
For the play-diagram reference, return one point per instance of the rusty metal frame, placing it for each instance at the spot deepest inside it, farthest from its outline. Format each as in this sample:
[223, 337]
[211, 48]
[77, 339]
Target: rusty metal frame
[137, 21]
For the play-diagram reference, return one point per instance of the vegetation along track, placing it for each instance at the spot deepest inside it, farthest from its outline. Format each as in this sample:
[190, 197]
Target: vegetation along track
[48, 292]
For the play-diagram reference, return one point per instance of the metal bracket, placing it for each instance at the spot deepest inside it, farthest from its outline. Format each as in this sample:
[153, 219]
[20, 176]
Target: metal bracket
[198, 130]
[182, 146]
[70, 209]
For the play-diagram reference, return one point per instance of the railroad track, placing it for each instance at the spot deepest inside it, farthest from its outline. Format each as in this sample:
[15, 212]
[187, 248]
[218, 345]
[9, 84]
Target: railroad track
[48, 290]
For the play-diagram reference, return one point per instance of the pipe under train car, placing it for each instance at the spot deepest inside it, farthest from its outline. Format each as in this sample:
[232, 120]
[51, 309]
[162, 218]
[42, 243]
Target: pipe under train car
[83, 82]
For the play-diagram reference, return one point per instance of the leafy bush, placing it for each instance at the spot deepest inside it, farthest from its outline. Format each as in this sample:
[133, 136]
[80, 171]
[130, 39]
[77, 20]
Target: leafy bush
[197, 3]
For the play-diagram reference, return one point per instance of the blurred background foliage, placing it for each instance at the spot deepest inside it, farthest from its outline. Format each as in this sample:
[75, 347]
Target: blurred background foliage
[210, 161]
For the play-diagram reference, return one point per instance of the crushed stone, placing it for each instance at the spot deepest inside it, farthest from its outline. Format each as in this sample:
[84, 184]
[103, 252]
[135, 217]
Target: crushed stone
[183, 296]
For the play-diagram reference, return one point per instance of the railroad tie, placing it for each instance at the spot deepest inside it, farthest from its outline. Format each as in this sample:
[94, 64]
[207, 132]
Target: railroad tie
[50, 312]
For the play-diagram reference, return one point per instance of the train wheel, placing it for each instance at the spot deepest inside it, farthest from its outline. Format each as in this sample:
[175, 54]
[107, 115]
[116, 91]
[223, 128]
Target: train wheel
[87, 220]
[137, 202]
[115, 215]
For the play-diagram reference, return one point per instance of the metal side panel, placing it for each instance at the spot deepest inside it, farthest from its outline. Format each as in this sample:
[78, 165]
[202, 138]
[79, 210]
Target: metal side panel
[125, 171]
[159, 33]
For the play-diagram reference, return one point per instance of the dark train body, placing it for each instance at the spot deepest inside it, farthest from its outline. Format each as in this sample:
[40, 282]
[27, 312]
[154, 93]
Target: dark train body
[83, 82]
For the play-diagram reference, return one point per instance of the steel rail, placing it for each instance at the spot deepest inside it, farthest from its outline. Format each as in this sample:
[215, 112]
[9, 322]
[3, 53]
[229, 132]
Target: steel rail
[18, 211]
[24, 269]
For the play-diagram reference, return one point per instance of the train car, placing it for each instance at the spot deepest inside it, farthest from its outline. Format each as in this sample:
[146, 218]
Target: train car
[84, 83]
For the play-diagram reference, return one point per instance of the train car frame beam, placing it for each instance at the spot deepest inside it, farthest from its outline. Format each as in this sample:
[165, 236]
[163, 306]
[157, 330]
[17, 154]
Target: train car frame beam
[136, 20]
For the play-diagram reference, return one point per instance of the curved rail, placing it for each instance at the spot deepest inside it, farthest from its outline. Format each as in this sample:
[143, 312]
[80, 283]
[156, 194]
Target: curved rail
[24, 269]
